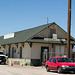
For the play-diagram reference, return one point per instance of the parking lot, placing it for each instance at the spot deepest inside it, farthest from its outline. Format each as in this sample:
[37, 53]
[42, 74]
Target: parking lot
[27, 70]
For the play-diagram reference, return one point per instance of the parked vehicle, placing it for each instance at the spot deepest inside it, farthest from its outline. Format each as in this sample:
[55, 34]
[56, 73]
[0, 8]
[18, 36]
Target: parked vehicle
[60, 64]
[2, 58]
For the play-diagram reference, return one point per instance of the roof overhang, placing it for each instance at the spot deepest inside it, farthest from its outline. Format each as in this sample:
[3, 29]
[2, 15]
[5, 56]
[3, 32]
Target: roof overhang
[51, 42]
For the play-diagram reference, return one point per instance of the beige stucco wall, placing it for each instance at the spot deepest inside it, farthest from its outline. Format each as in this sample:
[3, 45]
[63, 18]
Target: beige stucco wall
[26, 51]
[33, 52]
[36, 50]
[1, 48]
[4, 49]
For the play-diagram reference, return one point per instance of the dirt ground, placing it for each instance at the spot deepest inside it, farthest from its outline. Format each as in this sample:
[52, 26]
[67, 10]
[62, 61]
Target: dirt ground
[27, 70]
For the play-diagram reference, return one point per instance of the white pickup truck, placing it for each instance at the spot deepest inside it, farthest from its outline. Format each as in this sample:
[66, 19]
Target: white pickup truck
[2, 58]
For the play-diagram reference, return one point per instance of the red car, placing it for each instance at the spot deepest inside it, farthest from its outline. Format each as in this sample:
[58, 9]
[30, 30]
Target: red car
[60, 64]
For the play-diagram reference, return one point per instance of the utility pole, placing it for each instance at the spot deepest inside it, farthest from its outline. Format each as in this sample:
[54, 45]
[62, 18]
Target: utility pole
[68, 28]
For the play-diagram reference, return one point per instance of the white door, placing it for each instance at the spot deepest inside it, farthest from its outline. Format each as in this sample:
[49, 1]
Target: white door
[57, 51]
[62, 50]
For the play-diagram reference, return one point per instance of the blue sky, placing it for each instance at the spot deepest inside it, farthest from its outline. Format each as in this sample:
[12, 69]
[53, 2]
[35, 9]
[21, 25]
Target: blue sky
[17, 15]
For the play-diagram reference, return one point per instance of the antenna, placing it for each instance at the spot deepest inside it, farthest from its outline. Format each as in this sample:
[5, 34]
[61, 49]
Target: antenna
[47, 19]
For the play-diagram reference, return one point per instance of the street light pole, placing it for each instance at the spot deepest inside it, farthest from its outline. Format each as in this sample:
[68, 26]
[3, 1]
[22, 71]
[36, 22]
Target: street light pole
[68, 28]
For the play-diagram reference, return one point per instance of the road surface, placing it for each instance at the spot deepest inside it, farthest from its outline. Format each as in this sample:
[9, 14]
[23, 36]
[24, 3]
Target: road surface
[27, 70]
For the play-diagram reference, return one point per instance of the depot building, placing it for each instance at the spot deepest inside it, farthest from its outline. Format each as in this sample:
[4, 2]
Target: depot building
[36, 45]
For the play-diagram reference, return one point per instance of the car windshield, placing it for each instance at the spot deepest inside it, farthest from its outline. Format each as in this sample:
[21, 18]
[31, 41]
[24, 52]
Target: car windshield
[63, 60]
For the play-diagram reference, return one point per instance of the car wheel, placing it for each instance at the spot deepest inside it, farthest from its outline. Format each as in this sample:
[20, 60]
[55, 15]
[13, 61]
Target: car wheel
[0, 62]
[4, 63]
[47, 69]
[59, 70]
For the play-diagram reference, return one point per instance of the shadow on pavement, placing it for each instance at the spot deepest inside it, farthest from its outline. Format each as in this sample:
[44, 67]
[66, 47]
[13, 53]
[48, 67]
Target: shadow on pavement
[62, 72]
[3, 64]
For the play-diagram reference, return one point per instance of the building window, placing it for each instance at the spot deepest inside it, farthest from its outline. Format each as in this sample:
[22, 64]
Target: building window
[20, 52]
[12, 52]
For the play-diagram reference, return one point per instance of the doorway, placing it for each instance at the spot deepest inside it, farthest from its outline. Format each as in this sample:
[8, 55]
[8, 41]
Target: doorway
[44, 55]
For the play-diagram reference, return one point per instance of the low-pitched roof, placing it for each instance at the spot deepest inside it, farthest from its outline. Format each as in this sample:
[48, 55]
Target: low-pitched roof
[24, 36]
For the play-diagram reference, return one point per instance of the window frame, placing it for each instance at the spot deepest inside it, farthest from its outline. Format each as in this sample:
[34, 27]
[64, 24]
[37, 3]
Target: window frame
[54, 60]
[51, 60]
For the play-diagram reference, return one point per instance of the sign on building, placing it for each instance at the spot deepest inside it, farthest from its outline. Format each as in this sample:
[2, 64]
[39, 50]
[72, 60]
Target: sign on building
[9, 36]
